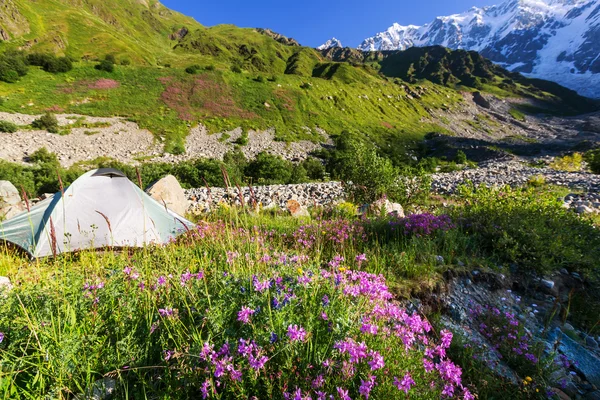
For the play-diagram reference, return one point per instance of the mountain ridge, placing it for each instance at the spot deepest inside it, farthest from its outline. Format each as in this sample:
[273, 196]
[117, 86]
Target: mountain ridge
[558, 40]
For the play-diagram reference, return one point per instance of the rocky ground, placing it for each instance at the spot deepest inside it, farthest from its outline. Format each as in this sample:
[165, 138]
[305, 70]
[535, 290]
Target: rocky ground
[308, 194]
[586, 198]
[518, 173]
[531, 304]
[125, 141]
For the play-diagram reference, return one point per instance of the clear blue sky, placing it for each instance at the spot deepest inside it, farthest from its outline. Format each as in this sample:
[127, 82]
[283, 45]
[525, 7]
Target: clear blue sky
[312, 22]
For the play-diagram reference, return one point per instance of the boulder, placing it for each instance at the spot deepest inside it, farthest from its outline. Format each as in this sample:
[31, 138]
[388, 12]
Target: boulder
[588, 363]
[5, 283]
[168, 191]
[10, 200]
[481, 101]
[382, 205]
[296, 210]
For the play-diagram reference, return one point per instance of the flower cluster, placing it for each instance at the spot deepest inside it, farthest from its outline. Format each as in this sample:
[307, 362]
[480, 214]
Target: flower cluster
[422, 224]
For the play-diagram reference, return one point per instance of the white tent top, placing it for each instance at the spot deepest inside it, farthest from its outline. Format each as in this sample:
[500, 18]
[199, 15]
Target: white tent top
[102, 208]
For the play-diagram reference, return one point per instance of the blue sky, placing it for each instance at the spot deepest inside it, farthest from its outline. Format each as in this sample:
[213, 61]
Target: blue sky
[312, 22]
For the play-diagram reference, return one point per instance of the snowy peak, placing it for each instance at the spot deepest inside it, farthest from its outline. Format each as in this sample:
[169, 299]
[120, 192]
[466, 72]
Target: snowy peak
[557, 40]
[331, 43]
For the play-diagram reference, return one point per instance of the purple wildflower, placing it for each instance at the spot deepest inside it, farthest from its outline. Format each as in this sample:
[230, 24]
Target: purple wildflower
[296, 334]
[244, 314]
[343, 394]
[366, 386]
[405, 384]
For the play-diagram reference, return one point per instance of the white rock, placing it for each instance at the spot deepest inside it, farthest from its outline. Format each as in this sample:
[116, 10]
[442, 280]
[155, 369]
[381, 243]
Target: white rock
[5, 283]
[168, 191]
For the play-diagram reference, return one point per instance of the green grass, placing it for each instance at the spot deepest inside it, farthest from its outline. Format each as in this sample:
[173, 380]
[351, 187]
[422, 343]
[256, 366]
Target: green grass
[225, 100]
[517, 114]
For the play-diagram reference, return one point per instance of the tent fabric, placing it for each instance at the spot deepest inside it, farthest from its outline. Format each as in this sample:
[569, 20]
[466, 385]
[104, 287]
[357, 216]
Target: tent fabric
[100, 209]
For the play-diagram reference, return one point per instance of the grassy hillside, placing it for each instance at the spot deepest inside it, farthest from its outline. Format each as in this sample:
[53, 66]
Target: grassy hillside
[255, 79]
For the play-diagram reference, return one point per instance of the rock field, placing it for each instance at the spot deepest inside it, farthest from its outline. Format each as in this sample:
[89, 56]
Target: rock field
[125, 141]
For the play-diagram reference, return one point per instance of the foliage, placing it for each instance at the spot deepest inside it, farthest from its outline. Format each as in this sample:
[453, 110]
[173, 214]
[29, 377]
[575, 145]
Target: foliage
[47, 121]
[461, 157]
[537, 181]
[226, 311]
[268, 168]
[315, 170]
[592, 157]
[107, 65]
[569, 163]
[517, 114]
[8, 127]
[13, 65]
[528, 228]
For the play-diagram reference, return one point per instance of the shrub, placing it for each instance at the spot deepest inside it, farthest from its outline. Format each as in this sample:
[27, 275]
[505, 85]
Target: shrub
[267, 169]
[59, 65]
[528, 228]
[369, 176]
[50, 63]
[592, 157]
[315, 169]
[108, 64]
[243, 139]
[209, 68]
[105, 66]
[8, 127]
[48, 122]
[236, 69]
[537, 181]
[13, 65]
[192, 69]
[259, 79]
[570, 163]
[461, 157]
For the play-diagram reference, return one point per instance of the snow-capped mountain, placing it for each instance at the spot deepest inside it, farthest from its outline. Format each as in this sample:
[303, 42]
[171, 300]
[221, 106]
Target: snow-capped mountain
[333, 42]
[558, 40]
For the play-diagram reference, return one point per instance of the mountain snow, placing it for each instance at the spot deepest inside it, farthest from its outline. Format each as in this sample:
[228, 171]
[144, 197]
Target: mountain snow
[558, 40]
[333, 42]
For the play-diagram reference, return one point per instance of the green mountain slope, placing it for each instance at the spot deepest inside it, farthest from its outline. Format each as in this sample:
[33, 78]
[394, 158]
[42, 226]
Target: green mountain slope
[140, 29]
[253, 78]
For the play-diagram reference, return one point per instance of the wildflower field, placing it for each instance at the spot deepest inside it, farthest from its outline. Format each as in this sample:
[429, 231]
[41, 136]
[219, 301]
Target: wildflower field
[261, 306]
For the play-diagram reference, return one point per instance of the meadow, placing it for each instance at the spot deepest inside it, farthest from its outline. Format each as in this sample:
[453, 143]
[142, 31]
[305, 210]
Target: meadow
[263, 305]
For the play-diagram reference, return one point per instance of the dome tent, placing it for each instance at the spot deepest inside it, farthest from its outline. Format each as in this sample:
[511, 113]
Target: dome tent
[102, 208]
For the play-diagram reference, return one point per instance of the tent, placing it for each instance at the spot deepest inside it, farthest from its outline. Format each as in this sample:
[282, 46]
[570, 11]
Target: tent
[102, 208]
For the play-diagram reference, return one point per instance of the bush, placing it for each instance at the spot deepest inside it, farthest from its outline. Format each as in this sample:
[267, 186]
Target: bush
[50, 63]
[570, 163]
[528, 228]
[314, 168]
[48, 122]
[461, 157]
[8, 127]
[125, 62]
[192, 69]
[110, 58]
[593, 159]
[269, 169]
[236, 69]
[369, 176]
[13, 65]
[105, 65]
[209, 68]
[243, 139]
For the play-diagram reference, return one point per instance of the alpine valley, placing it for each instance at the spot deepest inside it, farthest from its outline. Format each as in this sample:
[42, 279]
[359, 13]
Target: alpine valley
[558, 40]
